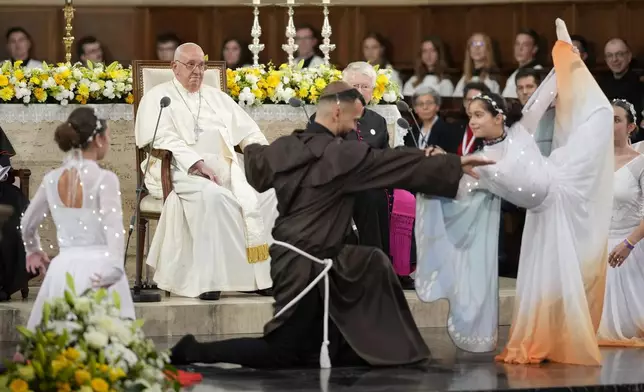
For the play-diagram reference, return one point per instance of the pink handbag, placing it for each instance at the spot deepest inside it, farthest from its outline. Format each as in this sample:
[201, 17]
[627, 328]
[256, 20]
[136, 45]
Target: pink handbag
[401, 225]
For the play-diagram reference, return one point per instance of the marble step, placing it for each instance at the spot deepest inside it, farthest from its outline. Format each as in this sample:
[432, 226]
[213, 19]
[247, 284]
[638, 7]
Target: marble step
[235, 313]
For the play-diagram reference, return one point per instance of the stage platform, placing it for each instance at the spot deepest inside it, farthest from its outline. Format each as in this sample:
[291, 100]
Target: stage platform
[234, 313]
[449, 370]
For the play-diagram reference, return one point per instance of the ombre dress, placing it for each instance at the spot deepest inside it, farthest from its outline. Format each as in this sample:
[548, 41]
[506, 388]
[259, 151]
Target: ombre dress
[90, 238]
[568, 197]
[622, 322]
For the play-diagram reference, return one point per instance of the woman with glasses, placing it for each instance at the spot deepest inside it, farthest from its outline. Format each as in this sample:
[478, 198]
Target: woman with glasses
[479, 65]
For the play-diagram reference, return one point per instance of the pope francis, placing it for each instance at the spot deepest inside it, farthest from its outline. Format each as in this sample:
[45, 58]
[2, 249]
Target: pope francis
[215, 228]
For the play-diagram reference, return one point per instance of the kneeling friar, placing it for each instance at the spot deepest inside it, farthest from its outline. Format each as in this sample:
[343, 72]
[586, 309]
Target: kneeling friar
[215, 228]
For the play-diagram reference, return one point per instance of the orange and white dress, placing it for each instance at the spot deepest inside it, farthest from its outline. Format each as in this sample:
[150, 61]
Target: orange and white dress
[568, 197]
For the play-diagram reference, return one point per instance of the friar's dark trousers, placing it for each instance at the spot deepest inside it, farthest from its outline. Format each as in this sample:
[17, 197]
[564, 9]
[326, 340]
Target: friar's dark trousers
[296, 343]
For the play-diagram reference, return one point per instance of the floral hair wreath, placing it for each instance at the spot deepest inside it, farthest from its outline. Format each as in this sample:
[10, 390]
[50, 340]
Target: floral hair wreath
[492, 102]
[628, 105]
[97, 129]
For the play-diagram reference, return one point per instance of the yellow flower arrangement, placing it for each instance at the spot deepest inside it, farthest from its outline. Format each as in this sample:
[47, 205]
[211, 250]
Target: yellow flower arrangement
[83, 345]
[65, 83]
[97, 83]
[253, 86]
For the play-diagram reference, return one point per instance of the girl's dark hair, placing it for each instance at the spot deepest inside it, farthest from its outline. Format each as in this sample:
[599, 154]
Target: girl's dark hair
[495, 104]
[79, 129]
[384, 44]
[631, 114]
[421, 70]
[245, 55]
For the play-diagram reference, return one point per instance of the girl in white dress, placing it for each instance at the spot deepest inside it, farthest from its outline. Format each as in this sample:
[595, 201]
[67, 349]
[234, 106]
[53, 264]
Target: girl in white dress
[568, 196]
[85, 204]
[622, 322]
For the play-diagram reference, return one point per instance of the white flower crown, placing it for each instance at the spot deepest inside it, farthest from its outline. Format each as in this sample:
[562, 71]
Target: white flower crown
[492, 102]
[629, 105]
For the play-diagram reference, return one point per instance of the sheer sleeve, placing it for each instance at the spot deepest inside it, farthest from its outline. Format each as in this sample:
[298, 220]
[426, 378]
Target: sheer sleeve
[112, 214]
[539, 103]
[36, 212]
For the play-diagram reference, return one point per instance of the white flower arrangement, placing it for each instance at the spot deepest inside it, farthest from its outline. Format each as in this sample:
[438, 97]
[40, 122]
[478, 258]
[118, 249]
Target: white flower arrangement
[84, 345]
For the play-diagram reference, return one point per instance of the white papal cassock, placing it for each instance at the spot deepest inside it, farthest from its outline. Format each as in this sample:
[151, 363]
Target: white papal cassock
[210, 237]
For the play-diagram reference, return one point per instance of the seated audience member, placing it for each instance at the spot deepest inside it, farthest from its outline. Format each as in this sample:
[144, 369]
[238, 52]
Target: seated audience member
[167, 43]
[430, 70]
[375, 50]
[621, 81]
[236, 54]
[214, 230]
[13, 272]
[90, 48]
[20, 47]
[582, 46]
[527, 80]
[526, 51]
[434, 131]
[306, 37]
[479, 65]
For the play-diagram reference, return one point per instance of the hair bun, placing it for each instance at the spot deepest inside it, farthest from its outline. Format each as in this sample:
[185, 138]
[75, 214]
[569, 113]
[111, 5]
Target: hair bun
[66, 137]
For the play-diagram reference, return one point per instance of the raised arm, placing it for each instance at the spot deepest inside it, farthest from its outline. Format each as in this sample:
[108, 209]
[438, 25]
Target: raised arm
[539, 103]
[36, 212]
[407, 168]
[112, 218]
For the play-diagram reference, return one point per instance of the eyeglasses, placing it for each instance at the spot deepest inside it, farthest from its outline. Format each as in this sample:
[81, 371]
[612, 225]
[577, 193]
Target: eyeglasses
[362, 87]
[192, 66]
[618, 55]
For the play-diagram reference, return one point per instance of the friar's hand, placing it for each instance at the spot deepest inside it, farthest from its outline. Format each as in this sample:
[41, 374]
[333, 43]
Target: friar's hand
[468, 163]
[434, 150]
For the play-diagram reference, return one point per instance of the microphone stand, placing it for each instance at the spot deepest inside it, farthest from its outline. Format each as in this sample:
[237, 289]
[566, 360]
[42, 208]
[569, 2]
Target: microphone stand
[138, 295]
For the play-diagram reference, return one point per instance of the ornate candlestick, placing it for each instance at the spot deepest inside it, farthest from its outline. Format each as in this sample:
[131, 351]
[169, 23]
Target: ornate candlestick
[256, 32]
[326, 47]
[68, 40]
[290, 47]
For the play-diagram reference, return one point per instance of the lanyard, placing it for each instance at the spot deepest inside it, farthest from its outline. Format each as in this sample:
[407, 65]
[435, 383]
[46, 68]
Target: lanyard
[466, 146]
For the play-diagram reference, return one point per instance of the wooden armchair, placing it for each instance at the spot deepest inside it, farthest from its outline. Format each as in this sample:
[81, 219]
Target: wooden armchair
[147, 74]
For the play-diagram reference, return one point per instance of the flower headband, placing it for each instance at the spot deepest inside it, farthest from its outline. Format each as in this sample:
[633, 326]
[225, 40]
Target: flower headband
[492, 102]
[628, 105]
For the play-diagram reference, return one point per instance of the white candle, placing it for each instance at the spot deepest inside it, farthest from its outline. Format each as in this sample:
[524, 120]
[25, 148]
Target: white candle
[256, 2]
[290, 1]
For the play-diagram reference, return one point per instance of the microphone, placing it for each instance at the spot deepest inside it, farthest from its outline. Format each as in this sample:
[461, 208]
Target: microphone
[297, 103]
[164, 103]
[404, 124]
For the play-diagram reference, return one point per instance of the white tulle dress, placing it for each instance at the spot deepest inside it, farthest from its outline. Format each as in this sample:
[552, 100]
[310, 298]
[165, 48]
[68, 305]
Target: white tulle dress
[568, 197]
[90, 238]
[622, 322]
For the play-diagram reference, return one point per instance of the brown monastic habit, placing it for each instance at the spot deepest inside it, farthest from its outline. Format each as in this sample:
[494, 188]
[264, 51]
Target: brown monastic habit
[315, 176]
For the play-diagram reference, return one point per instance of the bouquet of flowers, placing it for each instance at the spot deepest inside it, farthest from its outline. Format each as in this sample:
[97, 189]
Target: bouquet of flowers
[65, 83]
[83, 345]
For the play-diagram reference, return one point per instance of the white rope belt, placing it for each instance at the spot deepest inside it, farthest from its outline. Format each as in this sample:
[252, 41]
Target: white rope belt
[325, 361]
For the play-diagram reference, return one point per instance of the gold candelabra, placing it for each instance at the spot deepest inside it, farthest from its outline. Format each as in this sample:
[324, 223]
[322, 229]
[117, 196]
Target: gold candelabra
[68, 39]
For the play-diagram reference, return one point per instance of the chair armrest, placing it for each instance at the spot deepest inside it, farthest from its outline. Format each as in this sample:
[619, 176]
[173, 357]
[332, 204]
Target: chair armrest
[166, 170]
[24, 175]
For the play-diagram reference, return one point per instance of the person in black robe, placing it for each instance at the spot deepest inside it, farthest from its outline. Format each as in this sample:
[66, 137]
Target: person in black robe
[372, 209]
[315, 175]
[13, 273]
